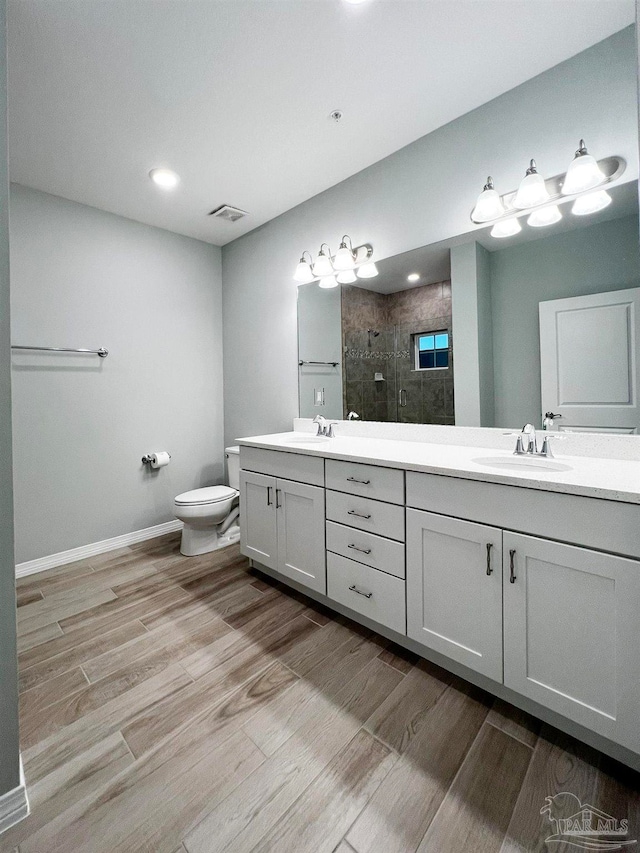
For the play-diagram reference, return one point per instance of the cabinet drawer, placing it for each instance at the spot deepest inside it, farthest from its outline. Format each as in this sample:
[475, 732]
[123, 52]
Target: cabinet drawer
[368, 481]
[279, 463]
[365, 514]
[375, 551]
[379, 596]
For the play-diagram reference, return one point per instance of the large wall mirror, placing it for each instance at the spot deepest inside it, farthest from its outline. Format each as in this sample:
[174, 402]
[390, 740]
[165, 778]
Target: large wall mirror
[482, 331]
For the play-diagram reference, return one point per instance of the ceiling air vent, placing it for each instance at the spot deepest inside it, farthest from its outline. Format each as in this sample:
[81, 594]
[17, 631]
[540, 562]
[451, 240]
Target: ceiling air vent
[231, 214]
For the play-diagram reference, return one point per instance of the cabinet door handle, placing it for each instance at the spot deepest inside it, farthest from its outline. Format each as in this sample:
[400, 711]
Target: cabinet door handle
[359, 514]
[354, 588]
[362, 550]
[353, 480]
[278, 504]
[489, 547]
[512, 568]
[269, 501]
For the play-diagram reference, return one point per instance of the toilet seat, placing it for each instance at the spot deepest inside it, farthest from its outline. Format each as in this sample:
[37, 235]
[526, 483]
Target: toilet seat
[207, 495]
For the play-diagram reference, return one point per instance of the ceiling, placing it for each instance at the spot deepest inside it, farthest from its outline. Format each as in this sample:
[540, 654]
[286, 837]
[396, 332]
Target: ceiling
[236, 95]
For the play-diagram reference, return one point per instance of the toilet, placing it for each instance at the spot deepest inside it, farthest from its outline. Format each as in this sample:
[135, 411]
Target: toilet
[210, 515]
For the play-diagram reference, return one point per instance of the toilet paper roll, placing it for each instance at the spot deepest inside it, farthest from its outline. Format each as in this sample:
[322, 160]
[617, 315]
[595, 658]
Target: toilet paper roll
[160, 459]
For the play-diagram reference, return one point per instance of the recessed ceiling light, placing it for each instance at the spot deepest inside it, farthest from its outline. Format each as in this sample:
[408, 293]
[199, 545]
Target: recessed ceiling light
[164, 178]
[415, 276]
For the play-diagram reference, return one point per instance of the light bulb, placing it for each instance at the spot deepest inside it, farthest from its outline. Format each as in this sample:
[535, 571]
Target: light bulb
[369, 270]
[303, 273]
[532, 189]
[346, 277]
[591, 203]
[164, 178]
[344, 259]
[414, 276]
[322, 265]
[489, 204]
[506, 228]
[583, 172]
[328, 281]
[544, 216]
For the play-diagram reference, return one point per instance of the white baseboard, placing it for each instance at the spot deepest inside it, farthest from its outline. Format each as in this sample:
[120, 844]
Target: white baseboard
[14, 805]
[84, 551]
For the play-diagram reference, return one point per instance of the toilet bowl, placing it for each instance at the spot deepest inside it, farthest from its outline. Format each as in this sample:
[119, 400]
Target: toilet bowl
[210, 515]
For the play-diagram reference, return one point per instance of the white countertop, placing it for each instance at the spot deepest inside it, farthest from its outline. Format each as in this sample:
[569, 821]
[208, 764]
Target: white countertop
[608, 479]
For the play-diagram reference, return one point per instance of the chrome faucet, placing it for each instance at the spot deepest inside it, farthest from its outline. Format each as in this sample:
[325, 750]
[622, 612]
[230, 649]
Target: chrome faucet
[527, 442]
[324, 428]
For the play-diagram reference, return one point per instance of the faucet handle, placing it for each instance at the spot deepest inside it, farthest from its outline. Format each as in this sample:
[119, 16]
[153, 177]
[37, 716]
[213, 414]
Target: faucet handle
[330, 433]
[546, 447]
[519, 451]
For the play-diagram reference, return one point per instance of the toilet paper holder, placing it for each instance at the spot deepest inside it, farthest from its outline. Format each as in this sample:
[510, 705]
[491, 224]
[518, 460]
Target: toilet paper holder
[148, 458]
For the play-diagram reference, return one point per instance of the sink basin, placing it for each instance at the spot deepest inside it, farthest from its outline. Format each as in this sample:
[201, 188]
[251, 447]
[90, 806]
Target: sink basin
[533, 464]
[307, 439]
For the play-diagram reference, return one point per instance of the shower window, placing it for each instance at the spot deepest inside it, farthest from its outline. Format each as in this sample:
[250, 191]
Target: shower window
[431, 350]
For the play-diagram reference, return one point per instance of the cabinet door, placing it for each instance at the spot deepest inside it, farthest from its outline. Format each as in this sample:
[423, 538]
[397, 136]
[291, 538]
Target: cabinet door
[572, 633]
[301, 548]
[258, 529]
[454, 589]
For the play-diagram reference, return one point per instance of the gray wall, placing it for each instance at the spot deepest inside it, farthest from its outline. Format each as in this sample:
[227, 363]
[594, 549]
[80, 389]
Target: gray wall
[420, 195]
[596, 259]
[9, 746]
[82, 277]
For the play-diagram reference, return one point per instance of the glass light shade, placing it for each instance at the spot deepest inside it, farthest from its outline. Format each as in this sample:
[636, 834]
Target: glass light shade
[488, 206]
[506, 228]
[344, 259]
[545, 216]
[532, 191]
[590, 203]
[328, 282]
[164, 178]
[583, 174]
[322, 265]
[303, 273]
[346, 277]
[369, 270]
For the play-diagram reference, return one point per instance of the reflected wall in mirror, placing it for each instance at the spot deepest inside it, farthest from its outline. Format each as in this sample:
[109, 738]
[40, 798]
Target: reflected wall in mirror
[494, 332]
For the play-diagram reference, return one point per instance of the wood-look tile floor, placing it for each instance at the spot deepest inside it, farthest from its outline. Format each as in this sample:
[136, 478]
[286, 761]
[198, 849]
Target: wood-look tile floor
[174, 704]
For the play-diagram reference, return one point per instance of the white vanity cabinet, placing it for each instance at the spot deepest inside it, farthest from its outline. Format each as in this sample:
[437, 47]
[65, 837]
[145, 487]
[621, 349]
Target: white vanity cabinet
[572, 633]
[454, 589]
[283, 520]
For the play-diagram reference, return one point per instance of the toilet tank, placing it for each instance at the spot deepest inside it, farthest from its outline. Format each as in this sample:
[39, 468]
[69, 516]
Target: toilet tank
[233, 466]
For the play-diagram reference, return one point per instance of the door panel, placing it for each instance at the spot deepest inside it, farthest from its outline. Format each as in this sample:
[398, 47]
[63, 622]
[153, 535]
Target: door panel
[590, 360]
[454, 589]
[258, 530]
[301, 536]
[571, 628]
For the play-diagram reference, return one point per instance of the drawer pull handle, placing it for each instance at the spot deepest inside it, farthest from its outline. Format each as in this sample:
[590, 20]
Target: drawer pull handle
[278, 504]
[489, 547]
[354, 588]
[362, 550]
[354, 480]
[512, 568]
[269, 501]
[359, 514]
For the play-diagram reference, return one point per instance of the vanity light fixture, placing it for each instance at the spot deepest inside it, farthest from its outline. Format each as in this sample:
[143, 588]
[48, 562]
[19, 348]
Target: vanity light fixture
[545, 216]
[489, 204]
[532, 189]
[369, 270]
[414, 276]
[506, 227]
[304, 273]
[346, 277]
[165, 178]
[345, 258]
[591, 203]
[322, 265]
[328, 281]
[583, 172]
